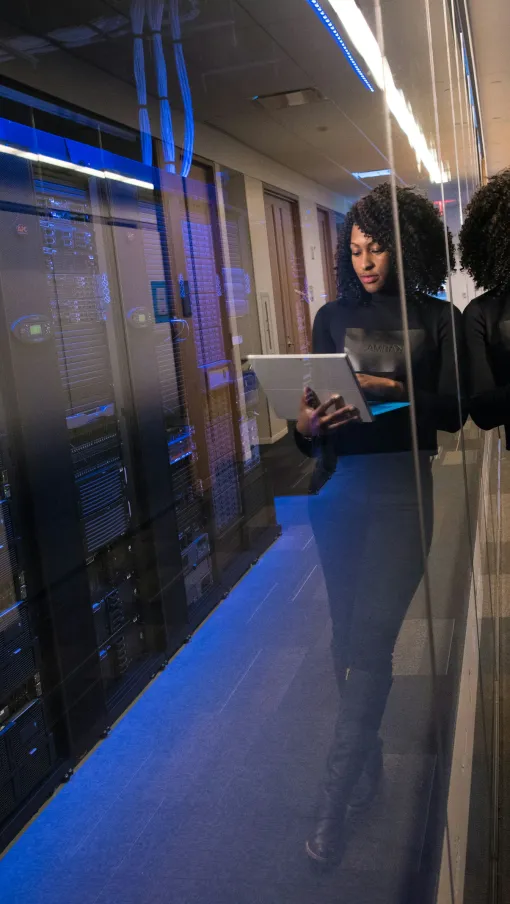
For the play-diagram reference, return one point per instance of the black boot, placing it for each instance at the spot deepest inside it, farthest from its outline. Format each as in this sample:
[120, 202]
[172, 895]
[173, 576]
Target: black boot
[361, 708]
[370, 779]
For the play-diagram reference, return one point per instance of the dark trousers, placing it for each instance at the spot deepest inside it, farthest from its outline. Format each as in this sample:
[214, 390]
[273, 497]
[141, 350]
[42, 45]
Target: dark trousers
[366, 528]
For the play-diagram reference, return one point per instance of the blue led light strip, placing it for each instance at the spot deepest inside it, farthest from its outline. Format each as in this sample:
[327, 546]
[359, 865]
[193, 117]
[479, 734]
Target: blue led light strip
[372, 174]
[341, 43]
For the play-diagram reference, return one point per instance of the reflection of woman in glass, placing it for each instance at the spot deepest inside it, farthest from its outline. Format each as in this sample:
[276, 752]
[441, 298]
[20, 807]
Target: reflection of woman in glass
[485, 248]
[365, 518]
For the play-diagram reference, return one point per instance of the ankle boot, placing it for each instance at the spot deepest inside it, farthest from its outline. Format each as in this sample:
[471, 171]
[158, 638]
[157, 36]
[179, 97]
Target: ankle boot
[361, 707]
[350, 746]
[370, 779]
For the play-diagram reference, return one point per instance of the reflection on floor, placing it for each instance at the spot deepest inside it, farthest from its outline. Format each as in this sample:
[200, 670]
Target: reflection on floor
[289, 471]
[205, 791]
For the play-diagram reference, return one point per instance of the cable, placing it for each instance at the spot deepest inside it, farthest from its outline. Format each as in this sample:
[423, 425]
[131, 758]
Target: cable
[189, 121]
[155, 16]
[137, 20]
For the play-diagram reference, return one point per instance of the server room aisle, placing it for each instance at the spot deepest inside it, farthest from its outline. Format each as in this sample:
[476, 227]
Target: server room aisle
[205, 791]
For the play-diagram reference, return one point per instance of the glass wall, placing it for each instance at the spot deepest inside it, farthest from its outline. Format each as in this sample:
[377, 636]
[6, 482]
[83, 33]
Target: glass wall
[250, 594]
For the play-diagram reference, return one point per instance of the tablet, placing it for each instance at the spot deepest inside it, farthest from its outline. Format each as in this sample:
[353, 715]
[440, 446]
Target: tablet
[283, 378]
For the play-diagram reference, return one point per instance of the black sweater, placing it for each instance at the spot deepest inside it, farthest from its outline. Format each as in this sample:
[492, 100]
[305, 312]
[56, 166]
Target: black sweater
[487, 330]
[372, 336]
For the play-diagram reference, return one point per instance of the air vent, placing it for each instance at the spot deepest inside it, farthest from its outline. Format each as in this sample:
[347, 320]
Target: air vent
[289, 99]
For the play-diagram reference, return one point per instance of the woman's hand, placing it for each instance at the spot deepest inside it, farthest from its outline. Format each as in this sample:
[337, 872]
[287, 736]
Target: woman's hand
[382, 388]
[314, 420]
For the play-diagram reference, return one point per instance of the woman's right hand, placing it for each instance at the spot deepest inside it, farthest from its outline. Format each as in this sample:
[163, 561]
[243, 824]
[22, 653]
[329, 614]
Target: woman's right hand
[314, 420]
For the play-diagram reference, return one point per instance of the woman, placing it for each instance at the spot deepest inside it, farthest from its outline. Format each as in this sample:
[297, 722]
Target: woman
[485, 254]
[365, 518]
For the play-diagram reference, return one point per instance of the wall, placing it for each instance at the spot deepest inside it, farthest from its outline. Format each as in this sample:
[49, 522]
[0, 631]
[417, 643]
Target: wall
[317, 292]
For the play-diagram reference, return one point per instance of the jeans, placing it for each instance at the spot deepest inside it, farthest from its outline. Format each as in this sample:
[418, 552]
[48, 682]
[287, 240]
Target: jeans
[366, 527]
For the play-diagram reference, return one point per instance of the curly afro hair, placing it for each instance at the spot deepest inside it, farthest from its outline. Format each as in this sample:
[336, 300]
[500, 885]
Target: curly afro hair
[422, 236]
[485, 235]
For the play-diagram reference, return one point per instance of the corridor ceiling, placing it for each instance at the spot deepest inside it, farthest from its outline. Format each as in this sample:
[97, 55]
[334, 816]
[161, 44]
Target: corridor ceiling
[236, 50]
[490, 24]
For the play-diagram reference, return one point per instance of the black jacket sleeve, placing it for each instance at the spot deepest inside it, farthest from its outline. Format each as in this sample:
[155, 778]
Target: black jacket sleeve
[441, 407]
[322, 344]
[489, 404]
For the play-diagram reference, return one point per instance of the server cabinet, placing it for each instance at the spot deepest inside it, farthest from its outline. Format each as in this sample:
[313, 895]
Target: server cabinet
[98, 604]
[116, 428]
[51, 688]
[82, 325]
[239, 527]
[162, 434]
[127, 505]
[171, 394]
[27, 729]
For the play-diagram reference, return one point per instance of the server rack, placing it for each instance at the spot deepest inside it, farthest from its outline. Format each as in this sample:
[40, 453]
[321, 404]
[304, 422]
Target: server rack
[80, 301]
[104, 580]
[27, 750]
[50, 684]
[171, 332]
[124, 514]
[245, 521]
[153, 378]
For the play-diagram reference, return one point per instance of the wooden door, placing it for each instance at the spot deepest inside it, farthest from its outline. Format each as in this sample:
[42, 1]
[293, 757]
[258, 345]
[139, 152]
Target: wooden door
[287, 274]
[327, 255]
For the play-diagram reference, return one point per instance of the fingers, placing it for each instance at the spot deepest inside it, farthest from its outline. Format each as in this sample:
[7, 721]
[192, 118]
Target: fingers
[341, 416]
[310, 398]
[337, 401]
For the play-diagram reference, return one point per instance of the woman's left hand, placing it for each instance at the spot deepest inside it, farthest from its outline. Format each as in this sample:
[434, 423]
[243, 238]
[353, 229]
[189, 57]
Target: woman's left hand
[382, 388]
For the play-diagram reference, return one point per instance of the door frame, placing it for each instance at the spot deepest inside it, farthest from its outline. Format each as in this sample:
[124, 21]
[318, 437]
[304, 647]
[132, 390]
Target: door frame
[293, 203]
[327, 251]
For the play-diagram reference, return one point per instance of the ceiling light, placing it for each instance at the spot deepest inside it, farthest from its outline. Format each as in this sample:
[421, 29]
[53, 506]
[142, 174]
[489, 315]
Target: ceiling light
[283, 99]
[372, 174]
[66, 164]
[365, 42]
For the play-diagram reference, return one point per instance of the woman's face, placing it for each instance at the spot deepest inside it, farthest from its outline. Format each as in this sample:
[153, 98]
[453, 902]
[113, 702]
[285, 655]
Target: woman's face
[370, 261]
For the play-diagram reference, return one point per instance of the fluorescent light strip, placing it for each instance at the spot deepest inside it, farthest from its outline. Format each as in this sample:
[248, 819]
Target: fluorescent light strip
[364, 41]
[373, 174]
[66, 164]
[341, 43]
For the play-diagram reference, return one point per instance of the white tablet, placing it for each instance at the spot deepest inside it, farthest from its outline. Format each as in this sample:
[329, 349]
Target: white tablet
[283, 378]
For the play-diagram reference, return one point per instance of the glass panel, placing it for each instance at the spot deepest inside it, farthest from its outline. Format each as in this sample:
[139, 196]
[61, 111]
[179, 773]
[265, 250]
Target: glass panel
[234, 451]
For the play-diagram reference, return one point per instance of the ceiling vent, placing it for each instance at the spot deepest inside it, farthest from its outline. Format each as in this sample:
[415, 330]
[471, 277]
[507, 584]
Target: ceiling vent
[289, 99]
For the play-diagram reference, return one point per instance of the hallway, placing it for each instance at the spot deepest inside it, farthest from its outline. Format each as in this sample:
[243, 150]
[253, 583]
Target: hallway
[205, 790]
